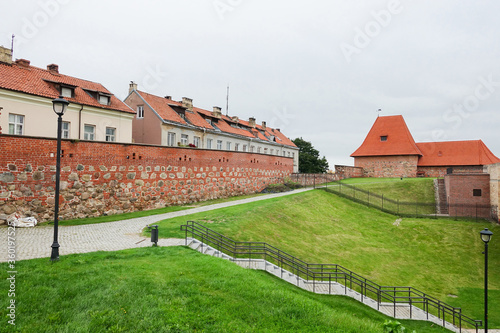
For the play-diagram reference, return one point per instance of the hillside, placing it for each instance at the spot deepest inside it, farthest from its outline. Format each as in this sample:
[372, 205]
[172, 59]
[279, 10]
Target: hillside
[174, 290]
[441, 257]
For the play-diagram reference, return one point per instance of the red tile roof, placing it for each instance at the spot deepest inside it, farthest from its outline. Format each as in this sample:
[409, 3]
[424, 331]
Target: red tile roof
[161, 107]
[165, 109]
[41, 82]
[225, 127]
[400, 142]
[398, 139]
[473, 152]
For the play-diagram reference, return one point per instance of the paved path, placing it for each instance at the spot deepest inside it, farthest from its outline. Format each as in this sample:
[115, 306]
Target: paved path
[111, 236]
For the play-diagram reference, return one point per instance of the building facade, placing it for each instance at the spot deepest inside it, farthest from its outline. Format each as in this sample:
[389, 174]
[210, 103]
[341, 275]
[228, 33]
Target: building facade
[163, 121]
[390, 151]
[26, 94]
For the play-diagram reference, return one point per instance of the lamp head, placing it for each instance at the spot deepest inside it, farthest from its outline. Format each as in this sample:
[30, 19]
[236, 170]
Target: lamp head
[486, 235]
[60, 105]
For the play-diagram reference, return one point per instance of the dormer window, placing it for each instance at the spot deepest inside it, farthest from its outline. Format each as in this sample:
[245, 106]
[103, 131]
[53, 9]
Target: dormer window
[67, 92]
[103, 99]
[209, 121]
[383, 138]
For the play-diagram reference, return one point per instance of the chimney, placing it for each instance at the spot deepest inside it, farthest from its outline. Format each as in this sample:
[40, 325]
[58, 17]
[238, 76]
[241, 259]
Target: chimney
[217, 112]
[5, 55]
[251, 122]
[264, 125]
[23, 63]
[235, 119]
[168, 97]
[53, 68]
[132, 86]
[187, 103]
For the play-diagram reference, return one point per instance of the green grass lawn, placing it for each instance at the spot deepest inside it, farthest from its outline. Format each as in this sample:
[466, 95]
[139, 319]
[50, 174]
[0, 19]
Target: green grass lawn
[173, 290]
[407, 189]
[441, 257]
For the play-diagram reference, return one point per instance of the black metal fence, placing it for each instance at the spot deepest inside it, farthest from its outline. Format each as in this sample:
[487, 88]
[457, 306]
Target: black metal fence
[330, 273]
[408, 208]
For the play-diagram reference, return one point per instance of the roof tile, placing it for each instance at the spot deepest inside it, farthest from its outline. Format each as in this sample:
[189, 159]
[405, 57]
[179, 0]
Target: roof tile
[40, 82]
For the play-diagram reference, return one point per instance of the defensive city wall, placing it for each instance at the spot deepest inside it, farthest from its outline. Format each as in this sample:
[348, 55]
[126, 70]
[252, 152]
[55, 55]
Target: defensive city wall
[109, 178]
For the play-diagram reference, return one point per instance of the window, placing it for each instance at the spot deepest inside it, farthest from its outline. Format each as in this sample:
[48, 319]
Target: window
[209, 143]
[89, 132]
[252, 148]
[184, 139]
[16, 124]
[228, 145]
[196, 141]
[219, 144]
[272, 151]
[383, 138]
[209, 121]
[140, 111]
[104, 100]
[244, 147]
[265, 150]
[110, 134]
[258, 149]
[236, 146]
[477, 192]
[65, 130]
[284, 153]
[170, 139]
[66, 92]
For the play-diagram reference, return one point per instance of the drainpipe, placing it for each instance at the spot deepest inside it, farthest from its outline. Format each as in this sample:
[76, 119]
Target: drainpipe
[80, 123]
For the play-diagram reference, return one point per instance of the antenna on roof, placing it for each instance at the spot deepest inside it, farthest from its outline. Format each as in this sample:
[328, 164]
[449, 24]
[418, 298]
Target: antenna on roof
[378, 112]
[227, 100]
[12, 46]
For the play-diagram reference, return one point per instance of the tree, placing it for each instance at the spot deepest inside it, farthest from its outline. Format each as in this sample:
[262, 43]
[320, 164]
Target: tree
[309, 160]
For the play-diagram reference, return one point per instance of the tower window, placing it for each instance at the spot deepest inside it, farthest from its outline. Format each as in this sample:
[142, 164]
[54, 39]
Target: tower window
[383, 138]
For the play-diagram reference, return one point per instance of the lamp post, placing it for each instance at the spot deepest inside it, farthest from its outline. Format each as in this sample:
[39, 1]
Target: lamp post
[485, 237]
[59, 105]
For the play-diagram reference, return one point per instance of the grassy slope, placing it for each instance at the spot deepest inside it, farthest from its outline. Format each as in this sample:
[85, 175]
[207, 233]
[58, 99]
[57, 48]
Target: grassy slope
[408, 189]
[173, 290]
[440, 257]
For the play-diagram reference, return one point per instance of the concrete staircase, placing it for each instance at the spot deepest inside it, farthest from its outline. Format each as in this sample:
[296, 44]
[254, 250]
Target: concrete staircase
[398, 311]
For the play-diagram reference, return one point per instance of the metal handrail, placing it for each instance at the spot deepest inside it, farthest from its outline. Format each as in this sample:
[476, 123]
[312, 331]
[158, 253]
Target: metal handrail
[328, 273]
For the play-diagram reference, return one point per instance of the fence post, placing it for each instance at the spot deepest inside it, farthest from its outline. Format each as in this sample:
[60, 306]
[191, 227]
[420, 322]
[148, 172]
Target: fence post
[383, 201]
[314, 181]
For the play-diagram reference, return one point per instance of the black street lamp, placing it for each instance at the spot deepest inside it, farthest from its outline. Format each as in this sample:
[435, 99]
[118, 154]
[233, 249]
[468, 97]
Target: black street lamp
[59, 105]
[485, 237]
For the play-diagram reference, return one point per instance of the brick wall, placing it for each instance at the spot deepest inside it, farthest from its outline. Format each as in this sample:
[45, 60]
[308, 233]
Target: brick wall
[494, 171]
[460, 194]
[98, 178]
[388, 166]
[440, 171]
[310, 179]
[346, 171]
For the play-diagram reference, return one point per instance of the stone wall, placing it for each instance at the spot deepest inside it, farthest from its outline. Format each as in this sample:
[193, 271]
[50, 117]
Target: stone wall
[346, 171]
[311, 179]
[440, 171]
[494, 171]
[388, 166]
[108, 178]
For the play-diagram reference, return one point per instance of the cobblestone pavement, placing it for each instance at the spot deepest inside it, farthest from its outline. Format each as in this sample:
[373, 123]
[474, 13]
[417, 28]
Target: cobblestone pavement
[111, 236]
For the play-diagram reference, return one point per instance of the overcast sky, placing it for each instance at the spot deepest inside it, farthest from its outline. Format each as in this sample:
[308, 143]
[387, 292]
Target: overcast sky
[319, 70]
